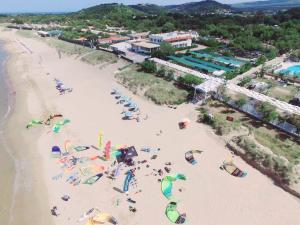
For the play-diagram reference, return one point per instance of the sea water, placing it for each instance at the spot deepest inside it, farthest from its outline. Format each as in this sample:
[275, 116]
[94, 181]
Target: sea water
[6, 160]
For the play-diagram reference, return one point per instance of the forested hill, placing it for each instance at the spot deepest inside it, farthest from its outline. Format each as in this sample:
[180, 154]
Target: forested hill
[149, 8]
[198, 7]
[267, 5]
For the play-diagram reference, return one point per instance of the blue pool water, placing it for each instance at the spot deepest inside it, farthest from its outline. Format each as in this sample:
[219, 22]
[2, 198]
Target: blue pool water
[293, 70]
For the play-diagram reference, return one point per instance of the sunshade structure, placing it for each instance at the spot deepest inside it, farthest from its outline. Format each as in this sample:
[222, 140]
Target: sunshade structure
[173, 215]
[126, 155]
[233, 170]
[189, 156]
[167, 184]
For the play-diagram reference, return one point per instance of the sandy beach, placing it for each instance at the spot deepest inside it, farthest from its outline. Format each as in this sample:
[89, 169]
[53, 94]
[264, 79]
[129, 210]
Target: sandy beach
[209, 196]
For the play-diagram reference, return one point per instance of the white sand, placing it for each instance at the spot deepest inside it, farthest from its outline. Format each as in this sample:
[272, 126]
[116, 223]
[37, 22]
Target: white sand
[210, 196]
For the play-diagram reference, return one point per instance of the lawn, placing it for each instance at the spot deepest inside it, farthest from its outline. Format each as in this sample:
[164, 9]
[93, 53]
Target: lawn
[154, 88]
[98, 57]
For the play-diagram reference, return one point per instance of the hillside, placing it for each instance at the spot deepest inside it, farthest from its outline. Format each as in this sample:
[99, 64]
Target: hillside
[149, 8]
[107, 11]
[206, 6]
[267, 5]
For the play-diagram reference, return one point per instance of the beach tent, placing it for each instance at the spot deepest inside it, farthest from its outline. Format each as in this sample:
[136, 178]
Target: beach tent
[56, 152]
[189, 156]
[232, 169]
[173, 215]
[167, 184]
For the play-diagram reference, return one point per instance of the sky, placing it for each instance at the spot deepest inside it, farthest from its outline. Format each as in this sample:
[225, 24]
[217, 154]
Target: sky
[75, 5]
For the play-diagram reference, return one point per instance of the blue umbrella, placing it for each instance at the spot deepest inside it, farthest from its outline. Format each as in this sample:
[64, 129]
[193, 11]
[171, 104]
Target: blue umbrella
[128, 114]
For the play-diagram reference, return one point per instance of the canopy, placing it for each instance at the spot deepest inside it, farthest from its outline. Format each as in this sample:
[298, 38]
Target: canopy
[189, 156]
[167, 184]
[173, 215]
[56, 152]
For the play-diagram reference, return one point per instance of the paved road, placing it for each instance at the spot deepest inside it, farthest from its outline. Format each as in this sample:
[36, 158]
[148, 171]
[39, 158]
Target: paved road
[284, 106]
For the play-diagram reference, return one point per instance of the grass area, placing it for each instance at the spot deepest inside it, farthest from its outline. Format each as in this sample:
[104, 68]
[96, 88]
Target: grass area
[158, 90]
[27, 33]
[67, 48]
[98, 56]
[276, 90]
[263, 144]
[286, 148]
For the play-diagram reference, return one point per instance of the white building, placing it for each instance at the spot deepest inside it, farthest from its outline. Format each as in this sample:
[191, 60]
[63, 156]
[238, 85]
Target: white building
[177, 39]
[144, 47]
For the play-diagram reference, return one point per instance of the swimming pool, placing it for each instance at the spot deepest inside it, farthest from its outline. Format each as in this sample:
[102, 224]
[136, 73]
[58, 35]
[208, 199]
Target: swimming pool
[293, 70]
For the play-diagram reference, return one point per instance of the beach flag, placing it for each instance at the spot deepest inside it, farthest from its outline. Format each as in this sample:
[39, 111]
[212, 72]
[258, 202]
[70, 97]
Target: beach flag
[107, 150]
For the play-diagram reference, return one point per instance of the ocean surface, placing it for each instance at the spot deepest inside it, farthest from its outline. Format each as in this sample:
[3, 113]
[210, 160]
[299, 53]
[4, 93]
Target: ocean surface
[7, 170]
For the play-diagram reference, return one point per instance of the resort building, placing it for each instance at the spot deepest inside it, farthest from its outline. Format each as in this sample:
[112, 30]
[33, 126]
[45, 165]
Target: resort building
[112, 40]
[144, 47]
[177, 39]
[137, 36]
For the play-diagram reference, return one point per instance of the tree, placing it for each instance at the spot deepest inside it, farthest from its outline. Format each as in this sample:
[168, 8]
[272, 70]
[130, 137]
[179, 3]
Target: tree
[269, 111]
[190, 80]
[166, 49]
[261, 60]
[167, 27]
[245, 81]
[148, 67]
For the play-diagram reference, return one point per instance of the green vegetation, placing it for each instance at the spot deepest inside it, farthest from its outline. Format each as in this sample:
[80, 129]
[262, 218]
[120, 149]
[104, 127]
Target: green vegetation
[190, 80]
[98, 56]
[274, 163]
[68, 48]
[286, 148]
[149, 67]
[268, 111]
[166, 49]
[152, 87]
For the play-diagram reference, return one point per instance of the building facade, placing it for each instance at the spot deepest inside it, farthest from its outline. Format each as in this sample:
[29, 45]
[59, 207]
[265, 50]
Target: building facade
[176, 39]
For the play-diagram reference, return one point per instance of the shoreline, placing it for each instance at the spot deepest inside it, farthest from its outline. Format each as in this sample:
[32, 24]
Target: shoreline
[15, 148]
[207, 192]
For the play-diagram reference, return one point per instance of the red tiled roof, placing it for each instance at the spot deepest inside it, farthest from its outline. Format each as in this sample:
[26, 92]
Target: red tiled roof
[178, 39]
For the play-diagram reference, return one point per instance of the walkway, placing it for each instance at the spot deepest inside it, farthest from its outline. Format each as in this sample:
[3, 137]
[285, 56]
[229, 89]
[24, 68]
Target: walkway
[252, 94]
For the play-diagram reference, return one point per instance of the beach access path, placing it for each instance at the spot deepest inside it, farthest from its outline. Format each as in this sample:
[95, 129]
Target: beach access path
[209, 196]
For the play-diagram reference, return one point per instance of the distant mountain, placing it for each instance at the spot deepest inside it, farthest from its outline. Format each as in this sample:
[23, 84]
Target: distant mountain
[267, 5]
[149, 8]
[207, 6]
[108, 11]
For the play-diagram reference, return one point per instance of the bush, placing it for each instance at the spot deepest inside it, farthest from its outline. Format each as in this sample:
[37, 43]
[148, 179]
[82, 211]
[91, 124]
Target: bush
[269, 111]
[148, 67]
[190, 80]
[245, 81]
